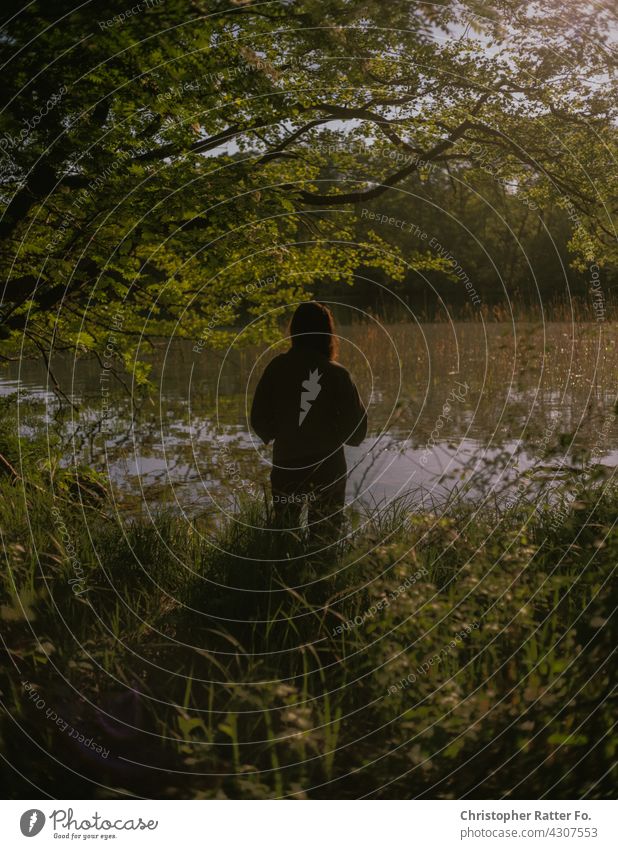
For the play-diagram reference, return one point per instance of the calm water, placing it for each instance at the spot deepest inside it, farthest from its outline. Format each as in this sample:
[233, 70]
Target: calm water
[518, 397]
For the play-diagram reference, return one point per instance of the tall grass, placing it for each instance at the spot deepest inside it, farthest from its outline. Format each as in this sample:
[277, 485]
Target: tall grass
[437, 655]
[559, 308]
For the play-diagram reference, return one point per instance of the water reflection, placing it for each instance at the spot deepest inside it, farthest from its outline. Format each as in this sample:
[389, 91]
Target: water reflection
[535, 396]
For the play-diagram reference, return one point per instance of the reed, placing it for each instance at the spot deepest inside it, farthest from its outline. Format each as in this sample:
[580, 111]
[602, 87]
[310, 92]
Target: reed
[443, 653]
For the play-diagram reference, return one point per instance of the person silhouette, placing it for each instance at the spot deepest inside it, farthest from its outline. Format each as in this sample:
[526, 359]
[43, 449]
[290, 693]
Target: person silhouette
[309, 405]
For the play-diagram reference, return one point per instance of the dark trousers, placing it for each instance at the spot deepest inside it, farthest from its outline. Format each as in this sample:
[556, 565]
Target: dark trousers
[322, 487]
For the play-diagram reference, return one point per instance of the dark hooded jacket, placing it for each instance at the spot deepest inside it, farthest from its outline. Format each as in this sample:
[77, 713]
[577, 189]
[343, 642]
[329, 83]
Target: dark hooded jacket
[310, 406]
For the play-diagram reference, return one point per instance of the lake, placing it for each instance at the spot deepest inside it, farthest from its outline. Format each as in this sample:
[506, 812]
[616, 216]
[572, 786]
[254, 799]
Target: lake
[454, 408]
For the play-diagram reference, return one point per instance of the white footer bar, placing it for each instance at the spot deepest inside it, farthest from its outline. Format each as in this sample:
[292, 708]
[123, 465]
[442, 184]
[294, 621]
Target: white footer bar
[176, 824]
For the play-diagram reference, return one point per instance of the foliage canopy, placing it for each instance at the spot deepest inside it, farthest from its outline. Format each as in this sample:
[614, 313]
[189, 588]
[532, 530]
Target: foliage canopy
[194, 162]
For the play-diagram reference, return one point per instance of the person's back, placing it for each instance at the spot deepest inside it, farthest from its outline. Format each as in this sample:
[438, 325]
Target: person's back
[310, 406]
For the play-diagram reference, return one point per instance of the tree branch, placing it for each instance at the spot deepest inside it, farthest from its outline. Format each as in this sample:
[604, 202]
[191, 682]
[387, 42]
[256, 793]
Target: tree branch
[314, 199]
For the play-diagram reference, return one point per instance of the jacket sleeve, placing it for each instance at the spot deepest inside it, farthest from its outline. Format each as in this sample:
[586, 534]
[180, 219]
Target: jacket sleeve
[262, 409]
[354, 415]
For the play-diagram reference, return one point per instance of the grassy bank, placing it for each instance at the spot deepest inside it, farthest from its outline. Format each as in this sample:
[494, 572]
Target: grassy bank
[467, 654]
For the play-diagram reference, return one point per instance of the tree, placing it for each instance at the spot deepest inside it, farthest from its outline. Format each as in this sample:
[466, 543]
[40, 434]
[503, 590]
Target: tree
[163, 165]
